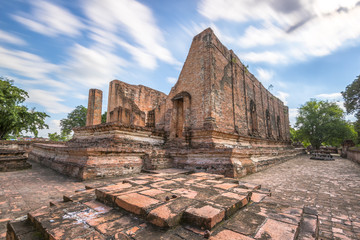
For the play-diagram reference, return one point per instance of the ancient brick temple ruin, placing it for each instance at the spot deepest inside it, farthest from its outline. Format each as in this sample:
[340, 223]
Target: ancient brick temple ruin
[218, 118]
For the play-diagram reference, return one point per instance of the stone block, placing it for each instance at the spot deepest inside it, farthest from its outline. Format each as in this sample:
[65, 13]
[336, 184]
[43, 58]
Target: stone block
[204, 216]
[169, 214]
[135, 203]
[273, 229]
[228, 234]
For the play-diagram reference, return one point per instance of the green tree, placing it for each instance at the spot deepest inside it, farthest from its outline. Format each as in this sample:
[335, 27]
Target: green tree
[322, 122]
[294, 135]
[16, 117]
[103, 117]
[57, 137]
[351, 97]
[76, 118]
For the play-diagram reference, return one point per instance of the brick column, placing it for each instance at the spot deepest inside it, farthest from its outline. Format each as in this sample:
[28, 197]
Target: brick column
[93, 116]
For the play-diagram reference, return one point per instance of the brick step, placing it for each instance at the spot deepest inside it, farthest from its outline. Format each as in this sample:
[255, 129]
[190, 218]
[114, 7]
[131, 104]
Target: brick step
[202, 199]
[22, 229]
[11, 152]
[13, 163]
[150, 206]
[270, 220]
[94, 220]
[309, 225]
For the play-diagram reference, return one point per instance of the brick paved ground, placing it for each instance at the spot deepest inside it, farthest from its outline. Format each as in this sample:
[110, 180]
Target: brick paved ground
[25, 190]
[332, 187]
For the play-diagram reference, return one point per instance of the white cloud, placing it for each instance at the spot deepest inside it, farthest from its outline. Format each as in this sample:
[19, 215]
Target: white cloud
[50, 19]
[10, 38]
[49, 100]
[131, 19]
[172, 80]
[341, 105]
[330, 96]
[293, 112]
[297, 28]
[282, 96]
[264, 75]
[267, 56]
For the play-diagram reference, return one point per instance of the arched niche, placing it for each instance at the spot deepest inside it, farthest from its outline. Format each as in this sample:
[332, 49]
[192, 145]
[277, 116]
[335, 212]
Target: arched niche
[180, 116]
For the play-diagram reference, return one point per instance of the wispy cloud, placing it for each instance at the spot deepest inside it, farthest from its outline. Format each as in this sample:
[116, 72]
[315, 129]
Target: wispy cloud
[132, 19]
[195, 28]
[296, 30]
[267, 56]
[92, 66]
[25, 63]
[10, 38]
[49, 100]
[50, 19]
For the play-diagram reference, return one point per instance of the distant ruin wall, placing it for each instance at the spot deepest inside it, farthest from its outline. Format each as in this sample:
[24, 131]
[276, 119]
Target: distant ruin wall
[130, 104]
[353, 154]
[23, 145]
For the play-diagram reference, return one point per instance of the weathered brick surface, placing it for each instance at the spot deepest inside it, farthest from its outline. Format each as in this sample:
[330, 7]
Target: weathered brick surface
[331, 188]
[218, 118]
[354, 154]
[12, 159]
[93, 116]
[130, 104]
[330, 197]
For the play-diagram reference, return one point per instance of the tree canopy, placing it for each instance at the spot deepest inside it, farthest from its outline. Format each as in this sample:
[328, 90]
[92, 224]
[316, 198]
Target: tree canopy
[323, 122]
[351, 97]
[16, 117]
[76, 118]
[57, 137]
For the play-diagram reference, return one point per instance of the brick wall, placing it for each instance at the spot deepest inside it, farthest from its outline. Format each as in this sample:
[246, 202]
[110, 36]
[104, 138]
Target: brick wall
[353, 154]
[130, 104]
[224, 96]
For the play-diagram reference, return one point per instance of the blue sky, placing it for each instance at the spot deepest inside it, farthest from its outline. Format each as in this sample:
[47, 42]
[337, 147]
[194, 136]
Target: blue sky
[57, 50]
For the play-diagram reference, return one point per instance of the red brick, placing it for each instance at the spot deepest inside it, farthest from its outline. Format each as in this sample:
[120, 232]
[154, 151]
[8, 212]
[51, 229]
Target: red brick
[277, 230]
[257, 197]
[163, 217]
[132, 231]
[135, 203]
[186, 193]
[97, 206]
[226, 186]
[206, 216]
[152, 192]
[229, 235]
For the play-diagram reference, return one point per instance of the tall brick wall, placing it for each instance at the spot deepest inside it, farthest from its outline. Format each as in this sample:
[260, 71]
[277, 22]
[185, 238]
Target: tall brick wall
[224, 96]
